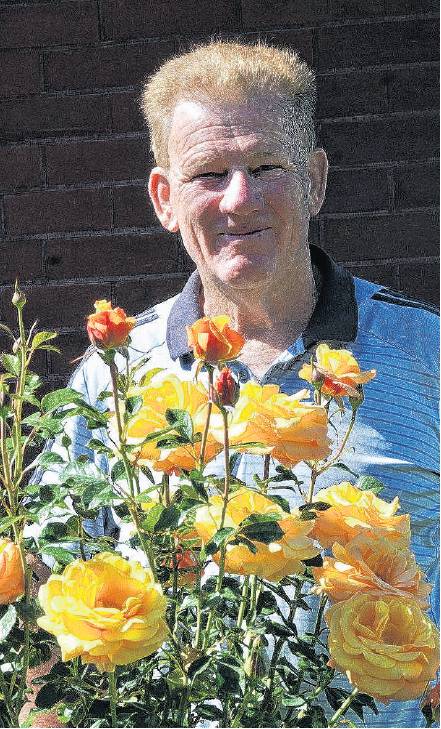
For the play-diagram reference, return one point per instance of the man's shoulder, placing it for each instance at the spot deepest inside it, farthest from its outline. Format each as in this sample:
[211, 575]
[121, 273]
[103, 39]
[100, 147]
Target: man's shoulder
[398, 319]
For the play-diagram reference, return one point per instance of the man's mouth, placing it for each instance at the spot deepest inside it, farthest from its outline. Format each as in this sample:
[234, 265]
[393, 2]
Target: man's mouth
[243, 233]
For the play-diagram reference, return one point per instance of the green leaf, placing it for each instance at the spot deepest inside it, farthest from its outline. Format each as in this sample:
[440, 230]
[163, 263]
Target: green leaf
[145, 379]
[197, 665]
[262, 528]
[60, 398]
[7, 622]
[11, 363]
[370, 483]
[118, 471]
[152, 517]
[98, 494]
[48, 695]
[266, 603]
[8, 521]
[97, 445]
[133, 404]
[346, 468]
[181, 421]
[168, 519]
[283, 503]
[46, 459]
[41, 338]
[59, 553]
[295, 701]
[218, 540]
[315, 506]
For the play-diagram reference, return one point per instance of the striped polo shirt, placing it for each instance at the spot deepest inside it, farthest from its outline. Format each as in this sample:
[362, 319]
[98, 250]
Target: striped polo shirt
[396, 434]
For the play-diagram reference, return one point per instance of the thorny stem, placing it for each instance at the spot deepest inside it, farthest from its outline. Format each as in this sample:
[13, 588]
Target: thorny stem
[343, 708]
[243, 602]
[113, 698]
[315, 473]
[207, 422]
[323, 601]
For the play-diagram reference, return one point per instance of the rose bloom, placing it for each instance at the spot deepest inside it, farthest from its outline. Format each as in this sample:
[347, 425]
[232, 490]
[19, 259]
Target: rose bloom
[386, 645]
[353, 512]
[213, 340]
[339, 369]
[163, 392]
[186, 566]
[272, 561]
[287, 428]
[12, 583]
[107, 610]
[108, 327]
[371, 564]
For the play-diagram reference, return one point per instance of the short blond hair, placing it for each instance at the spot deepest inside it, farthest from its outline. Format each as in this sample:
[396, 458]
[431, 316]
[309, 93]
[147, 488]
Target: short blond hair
[231, 72]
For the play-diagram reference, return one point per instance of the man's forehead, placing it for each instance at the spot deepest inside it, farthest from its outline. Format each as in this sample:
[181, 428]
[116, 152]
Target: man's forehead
[258, 126]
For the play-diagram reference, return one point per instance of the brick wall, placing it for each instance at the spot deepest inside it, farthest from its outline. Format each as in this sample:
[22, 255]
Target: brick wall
[74, 221]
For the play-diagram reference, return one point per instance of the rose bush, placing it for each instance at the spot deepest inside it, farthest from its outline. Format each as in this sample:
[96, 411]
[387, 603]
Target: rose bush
[385, 644]
[106, 610]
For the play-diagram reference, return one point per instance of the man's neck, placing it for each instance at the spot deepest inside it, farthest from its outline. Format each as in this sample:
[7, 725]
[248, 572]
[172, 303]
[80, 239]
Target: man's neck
[274, 317]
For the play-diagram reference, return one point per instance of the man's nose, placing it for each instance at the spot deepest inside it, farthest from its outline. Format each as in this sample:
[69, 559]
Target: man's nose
[242, 194]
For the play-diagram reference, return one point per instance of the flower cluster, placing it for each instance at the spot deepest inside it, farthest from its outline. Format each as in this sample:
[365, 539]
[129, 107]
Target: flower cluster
[378, 633]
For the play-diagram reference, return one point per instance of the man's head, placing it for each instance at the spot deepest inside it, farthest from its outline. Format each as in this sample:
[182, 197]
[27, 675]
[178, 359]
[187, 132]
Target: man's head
[237, 175]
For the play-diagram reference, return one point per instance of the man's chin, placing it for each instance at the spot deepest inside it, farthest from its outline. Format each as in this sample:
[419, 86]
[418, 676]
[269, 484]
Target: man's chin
[244, 274]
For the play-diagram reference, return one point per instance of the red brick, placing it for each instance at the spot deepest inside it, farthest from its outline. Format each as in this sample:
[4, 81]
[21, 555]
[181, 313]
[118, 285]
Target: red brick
[145, 293]
[105, 66]
[402, 7]
[299, 41]
[417, 186]
[42, 116]
[351, 93]
[50, 212]
[19, 167]
[393, 41]
[44, 24]
[384, 236]
[97, 161]
[134, 18]
[264, 14]
[122, 255]
[56, 306]
[413, 89]
[126, 112]
[20, 72]
[421, 280]
[356, 190]
[71, 345]
[348, 9]
[381, 140]
[132, 207]
[21, 260]
[386, 274]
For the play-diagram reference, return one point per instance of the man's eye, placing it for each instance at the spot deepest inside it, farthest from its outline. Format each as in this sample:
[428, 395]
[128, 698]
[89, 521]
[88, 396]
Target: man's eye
[211, 175]
[265, 168]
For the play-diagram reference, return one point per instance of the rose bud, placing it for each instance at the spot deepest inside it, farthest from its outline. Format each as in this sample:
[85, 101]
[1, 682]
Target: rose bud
[226, 389]
[109, 328]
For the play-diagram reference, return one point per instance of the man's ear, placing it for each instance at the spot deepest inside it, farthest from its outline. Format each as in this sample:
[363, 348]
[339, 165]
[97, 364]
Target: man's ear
[318, 174]
[159, 191]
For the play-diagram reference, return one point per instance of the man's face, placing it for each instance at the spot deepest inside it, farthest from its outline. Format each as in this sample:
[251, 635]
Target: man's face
[238, 193]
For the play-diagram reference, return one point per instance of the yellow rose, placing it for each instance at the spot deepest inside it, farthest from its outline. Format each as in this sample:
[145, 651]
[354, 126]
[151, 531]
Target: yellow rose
[339, 370]
[11, 572]
[289, 429]
[162, 393]
[386, 645]
[371, 564]
[353, 512]
[272, 561]
[107, 610]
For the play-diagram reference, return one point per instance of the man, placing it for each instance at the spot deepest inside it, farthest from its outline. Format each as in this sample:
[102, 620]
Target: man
[239, 176]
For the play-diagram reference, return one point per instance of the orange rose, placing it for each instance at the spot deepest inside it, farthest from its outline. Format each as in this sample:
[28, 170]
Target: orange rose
[186, 565]
[386, 645]
[213, 341]
[109, 328]
[371, 564]
[353, 512]
[11, 572]
[339, 371]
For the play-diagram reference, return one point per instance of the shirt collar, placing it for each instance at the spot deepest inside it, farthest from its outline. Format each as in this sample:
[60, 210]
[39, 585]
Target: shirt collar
[334, 319]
